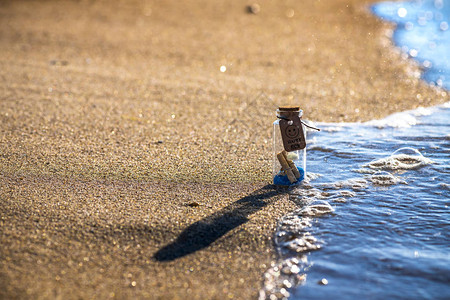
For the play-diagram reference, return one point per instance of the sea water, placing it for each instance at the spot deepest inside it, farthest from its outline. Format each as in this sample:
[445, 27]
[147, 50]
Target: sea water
[374, 219]
[422, 32]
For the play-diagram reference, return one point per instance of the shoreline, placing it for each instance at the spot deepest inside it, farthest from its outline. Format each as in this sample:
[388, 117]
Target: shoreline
[122, 138]
[432, 65]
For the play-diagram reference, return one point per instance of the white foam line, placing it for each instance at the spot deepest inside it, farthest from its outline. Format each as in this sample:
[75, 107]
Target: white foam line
[403, 119]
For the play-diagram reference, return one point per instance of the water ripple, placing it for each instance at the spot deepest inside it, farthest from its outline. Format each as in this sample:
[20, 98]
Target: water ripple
[376, 217]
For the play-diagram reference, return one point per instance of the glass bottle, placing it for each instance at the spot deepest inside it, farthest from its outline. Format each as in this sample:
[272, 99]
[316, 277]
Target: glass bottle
[296, 159]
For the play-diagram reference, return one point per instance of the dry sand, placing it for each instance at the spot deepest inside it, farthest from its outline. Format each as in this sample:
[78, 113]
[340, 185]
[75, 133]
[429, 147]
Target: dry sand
[131, 166]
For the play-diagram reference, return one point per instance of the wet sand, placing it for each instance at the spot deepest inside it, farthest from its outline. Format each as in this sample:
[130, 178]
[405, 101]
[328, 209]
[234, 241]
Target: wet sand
[132, 166]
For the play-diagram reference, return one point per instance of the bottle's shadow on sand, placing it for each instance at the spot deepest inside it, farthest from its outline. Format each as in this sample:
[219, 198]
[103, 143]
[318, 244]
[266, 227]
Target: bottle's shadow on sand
[203, 233]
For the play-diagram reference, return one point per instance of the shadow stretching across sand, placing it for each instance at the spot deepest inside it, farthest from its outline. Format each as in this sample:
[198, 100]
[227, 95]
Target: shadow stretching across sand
[203, 233]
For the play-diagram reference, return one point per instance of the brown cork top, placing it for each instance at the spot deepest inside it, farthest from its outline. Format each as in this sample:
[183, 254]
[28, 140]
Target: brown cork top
[289, 108]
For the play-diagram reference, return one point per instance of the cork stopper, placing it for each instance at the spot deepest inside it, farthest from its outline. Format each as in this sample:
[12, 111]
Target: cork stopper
[288, 111]
[289, 108]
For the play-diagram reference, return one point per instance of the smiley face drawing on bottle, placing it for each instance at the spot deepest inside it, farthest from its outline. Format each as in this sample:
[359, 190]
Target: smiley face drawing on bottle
[292, 131]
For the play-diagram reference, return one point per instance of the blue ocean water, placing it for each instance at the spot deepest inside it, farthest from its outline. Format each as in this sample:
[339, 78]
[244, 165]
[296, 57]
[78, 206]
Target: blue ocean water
[374, 217]
[423, 32]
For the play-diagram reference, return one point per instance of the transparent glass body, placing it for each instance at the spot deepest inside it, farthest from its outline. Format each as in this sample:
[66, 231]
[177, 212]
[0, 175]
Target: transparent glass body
[298, 156]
